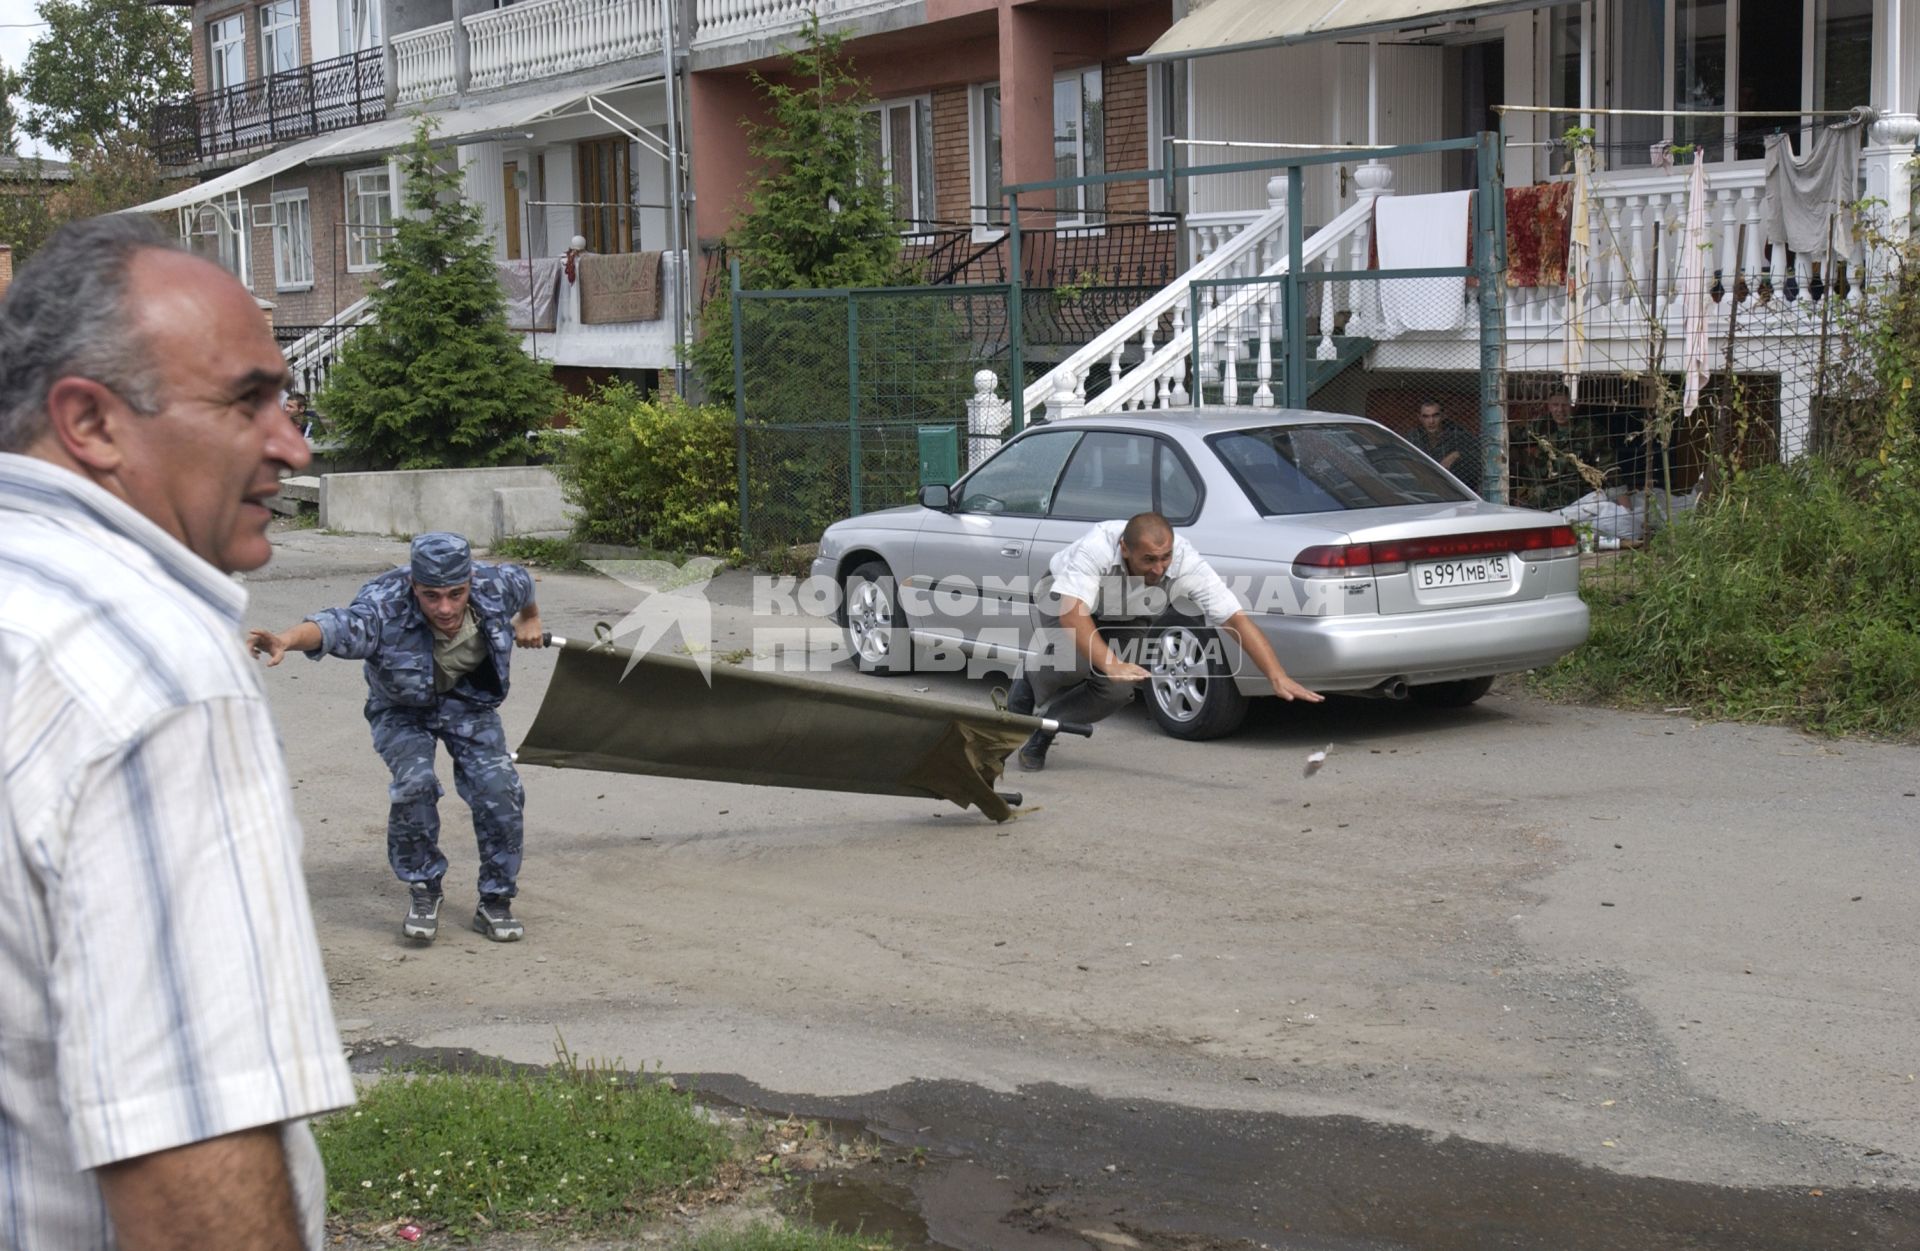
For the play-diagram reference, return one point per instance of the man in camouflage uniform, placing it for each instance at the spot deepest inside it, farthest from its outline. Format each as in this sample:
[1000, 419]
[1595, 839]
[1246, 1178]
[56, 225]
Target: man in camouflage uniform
[437, 637]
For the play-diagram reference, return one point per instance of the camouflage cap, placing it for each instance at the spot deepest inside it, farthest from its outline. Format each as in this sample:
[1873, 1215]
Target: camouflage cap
[441, 559]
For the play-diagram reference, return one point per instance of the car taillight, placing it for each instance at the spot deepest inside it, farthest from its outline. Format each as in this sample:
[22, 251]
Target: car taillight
[1359, 560]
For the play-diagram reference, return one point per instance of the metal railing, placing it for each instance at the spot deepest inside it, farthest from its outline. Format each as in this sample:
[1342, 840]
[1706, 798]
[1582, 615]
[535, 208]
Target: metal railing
[308, 100]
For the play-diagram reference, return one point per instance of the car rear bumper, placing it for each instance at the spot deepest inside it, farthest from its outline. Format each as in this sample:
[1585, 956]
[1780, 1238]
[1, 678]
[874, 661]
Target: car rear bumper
[1359, 652]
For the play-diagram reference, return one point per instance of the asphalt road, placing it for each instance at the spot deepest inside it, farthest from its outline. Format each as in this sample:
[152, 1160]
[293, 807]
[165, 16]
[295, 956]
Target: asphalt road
[1502, 950]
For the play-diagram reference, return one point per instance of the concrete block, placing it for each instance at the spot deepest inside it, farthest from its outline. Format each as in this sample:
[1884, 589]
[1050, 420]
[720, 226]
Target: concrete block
[531, 510]
[413, 501]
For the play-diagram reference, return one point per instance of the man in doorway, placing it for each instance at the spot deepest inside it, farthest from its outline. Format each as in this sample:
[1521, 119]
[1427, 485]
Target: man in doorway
[1108, 579]
[437, 636]
[167, 1024]
[1456, 453]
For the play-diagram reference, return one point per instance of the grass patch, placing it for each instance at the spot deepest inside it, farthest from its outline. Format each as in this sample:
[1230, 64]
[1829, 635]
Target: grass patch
[547, 553]
[1789, 599]
[473, 1152]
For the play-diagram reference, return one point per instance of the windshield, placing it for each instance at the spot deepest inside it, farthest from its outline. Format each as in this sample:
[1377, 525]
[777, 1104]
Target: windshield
[1331, 468]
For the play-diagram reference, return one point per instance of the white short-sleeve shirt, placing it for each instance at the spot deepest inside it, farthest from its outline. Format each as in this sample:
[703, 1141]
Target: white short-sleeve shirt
[1090, 570]
[158, 962]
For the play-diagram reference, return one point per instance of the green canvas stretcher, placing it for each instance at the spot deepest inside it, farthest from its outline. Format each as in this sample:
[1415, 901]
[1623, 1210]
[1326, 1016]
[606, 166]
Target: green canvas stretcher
[766, 729]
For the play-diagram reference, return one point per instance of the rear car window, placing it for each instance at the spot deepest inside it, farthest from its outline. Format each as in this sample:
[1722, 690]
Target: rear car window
[1332, 467]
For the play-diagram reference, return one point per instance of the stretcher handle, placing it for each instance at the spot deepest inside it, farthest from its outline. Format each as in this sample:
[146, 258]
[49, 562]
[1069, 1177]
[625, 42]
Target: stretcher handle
[1066, 727]
[549, 639]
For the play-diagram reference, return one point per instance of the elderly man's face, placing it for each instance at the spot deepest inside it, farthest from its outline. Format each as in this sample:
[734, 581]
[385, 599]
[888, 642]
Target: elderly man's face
[203, 467]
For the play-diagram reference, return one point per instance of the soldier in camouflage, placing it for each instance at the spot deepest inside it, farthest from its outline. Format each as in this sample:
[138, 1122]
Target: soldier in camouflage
[437, 637]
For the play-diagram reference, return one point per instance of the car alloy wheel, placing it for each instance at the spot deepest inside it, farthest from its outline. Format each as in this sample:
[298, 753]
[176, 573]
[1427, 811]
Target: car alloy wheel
[879, 643]
[1192, 695]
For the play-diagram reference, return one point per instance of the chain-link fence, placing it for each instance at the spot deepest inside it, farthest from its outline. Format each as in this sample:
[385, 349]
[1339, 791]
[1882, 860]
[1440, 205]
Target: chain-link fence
[841, 391]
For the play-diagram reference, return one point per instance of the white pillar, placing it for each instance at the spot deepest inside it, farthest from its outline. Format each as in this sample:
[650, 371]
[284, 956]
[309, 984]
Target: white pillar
[482, 173]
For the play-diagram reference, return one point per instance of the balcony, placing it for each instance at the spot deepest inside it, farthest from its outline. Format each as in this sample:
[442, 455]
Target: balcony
[719, 21]
[522, 43]
[310, 100]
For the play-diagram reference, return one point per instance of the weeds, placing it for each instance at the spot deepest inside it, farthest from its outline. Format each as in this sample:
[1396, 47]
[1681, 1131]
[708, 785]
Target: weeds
[547, 553]
[790, 1238]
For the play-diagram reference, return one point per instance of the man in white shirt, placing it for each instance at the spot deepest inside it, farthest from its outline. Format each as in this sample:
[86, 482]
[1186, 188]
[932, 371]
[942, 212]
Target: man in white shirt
[166, 1029]
[1132, 571]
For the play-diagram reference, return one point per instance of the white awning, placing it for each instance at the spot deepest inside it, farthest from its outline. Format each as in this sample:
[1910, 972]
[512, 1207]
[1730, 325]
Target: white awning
[1239, 25]
[278, 161]
[376, 138]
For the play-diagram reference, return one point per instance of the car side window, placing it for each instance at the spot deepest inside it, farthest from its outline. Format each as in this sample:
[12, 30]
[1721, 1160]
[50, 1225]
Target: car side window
[1179, 493]
[1110, 476]
[1020, 480]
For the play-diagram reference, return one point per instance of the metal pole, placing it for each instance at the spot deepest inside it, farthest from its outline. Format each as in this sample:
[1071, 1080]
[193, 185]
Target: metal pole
[853, 402]
[1295, 329]
[1489, 259]
[1017, 384]
[739, 393]
[676, 197]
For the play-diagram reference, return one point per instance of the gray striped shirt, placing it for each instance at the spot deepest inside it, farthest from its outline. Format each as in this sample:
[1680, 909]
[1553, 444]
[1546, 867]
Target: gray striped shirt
[160, 979]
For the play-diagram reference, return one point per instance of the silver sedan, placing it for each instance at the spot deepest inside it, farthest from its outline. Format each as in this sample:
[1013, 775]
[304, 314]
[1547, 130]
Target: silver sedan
[1371, 569]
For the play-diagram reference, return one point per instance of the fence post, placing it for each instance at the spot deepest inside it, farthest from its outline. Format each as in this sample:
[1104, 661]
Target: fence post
[853, 403]
[1296, 325]
[1490, 260]
[1017, 387]
[739, 394]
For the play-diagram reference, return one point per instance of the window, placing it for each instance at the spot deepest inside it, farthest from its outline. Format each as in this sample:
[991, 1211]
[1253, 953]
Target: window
[359, 25]
[1020, 480]
[606, 195]
[369, 213]
[226, 52]
[217, 230]
[279, 37]
[899, 138]
[1079, 148]
[1328, 468]
[292, 240]
[1110, 475]
[1747, 56]
[1080, 142]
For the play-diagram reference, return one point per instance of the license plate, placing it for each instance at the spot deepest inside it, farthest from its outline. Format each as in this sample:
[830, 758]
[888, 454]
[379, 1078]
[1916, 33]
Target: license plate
[1479, 571]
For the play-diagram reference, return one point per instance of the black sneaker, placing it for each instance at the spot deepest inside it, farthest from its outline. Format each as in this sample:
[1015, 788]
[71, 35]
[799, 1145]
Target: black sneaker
[423, 913]
[494, 918]
[1020, 697]
[1033, 754]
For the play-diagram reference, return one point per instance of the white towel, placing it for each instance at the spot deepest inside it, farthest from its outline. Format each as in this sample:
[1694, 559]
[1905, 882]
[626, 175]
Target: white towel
[1694, 280]
[1419, 232]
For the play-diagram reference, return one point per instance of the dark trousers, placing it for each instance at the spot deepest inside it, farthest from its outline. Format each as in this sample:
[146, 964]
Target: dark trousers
[483, 773]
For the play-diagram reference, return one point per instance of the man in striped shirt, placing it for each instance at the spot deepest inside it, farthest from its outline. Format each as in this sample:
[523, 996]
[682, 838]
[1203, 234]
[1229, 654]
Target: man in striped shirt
[166, 1027]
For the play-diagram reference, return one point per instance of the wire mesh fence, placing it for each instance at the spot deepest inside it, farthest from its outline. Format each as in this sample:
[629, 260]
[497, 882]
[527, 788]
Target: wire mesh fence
[836, 389]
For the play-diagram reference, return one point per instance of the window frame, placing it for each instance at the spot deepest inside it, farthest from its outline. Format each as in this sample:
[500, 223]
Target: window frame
[235, 43]
[283, 249]
[592, 157]
[924, 210]
[355, 197]
[369, 40]
[1159, 449]
[1074, 436]
[1081, 196]
[983, 153]
[287, 28]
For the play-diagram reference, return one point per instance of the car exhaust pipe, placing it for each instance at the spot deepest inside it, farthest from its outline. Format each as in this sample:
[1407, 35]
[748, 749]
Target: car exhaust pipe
[1391, 688]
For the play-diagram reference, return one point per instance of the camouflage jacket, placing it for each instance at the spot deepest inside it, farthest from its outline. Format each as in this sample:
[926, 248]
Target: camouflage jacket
[385, 627]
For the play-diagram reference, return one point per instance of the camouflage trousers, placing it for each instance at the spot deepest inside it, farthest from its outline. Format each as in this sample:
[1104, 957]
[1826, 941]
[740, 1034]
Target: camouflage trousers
[483, 773]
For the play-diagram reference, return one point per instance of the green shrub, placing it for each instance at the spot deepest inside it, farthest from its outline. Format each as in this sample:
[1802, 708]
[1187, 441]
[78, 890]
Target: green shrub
[657, 474]
[1789, 597]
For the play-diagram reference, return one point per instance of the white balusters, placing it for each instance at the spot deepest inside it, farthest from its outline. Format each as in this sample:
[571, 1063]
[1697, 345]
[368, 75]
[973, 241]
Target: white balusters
[1263, 368]
[423, 62]
[542, 38]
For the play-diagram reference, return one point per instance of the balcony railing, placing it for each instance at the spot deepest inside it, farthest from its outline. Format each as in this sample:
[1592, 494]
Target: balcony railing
[717, 20]
[540, 38]
[293, 104]
[423, 63]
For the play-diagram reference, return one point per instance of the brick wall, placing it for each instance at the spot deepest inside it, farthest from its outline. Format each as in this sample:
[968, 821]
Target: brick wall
[1126, 96]
[333, 287]
[6, 267]
[205, 13]
[952, 156]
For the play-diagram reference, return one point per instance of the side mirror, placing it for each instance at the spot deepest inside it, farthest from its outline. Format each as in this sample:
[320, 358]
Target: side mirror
[936, 496]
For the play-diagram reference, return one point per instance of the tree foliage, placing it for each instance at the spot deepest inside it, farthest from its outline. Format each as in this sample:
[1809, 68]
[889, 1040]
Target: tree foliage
[104, 177]
[10, 87]
[438, 379]
[100, 69]
[819, 213]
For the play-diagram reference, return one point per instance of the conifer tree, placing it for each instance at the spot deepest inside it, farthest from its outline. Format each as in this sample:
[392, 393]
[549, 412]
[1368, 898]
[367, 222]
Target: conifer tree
[437, 379]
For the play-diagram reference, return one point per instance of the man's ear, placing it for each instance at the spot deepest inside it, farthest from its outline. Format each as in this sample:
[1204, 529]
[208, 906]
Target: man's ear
[80, 416]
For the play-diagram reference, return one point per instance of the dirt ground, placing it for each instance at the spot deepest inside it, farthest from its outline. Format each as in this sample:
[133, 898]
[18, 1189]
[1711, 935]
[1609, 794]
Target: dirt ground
[1633, 943]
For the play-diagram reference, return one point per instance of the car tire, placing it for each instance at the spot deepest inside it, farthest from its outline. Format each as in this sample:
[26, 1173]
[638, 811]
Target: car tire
[1193, 695]
[877, 633]
[1450, 694]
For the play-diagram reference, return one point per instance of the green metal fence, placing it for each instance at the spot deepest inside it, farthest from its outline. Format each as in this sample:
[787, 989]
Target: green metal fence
[833, 388]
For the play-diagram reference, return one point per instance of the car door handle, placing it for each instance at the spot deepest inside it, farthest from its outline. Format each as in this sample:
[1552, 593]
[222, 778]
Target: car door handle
[1013, 549]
